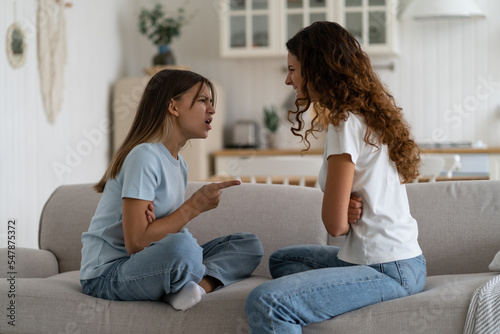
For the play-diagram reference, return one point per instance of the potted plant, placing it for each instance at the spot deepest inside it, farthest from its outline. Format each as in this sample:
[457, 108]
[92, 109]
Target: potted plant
[272, 124]
[161, 27]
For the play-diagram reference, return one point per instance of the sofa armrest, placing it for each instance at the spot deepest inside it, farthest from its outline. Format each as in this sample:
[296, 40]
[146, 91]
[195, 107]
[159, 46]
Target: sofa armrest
[29, 263]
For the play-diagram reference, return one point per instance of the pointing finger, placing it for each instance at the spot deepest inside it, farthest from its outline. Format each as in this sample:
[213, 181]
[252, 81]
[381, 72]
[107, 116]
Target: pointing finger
[226, 184]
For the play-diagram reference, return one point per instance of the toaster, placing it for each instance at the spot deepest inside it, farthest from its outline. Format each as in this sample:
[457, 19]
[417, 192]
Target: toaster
[245, 134]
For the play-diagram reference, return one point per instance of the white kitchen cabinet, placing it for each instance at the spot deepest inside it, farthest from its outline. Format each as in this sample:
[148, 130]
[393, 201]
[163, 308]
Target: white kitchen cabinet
[253, 28]
[247, 27]
[373, 23]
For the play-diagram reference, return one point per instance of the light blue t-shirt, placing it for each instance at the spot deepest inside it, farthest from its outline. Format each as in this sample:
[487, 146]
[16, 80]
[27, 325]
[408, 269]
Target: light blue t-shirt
[149, 173]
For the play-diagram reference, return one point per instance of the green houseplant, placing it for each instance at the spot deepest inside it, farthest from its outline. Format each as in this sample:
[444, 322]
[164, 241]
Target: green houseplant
[272, 124]
[271, 119]
[161, 28]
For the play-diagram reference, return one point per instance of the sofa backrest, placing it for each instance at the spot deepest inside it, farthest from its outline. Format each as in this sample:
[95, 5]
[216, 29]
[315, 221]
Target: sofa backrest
[66, 215]
[459, 222]
[279, 215]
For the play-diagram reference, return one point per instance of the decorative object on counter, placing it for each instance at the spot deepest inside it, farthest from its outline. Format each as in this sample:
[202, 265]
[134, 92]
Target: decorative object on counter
[271, 123]
[245, 134]
[161, 27]
[51, 27]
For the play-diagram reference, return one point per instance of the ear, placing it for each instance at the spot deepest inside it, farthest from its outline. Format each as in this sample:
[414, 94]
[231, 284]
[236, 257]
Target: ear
[172, 108]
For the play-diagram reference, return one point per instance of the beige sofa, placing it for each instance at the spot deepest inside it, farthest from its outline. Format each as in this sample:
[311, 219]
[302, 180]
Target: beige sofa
[459, 234]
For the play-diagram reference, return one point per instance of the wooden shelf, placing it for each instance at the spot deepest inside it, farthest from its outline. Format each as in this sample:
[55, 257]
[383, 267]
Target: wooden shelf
[462, 150]
[269, 152]
[264, 152]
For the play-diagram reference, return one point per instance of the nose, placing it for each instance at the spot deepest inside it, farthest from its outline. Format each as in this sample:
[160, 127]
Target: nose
[211, 110]
[288, 80]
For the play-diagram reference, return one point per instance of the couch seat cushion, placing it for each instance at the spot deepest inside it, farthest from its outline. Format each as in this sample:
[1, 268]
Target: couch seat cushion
[440, 308]
[57, 305]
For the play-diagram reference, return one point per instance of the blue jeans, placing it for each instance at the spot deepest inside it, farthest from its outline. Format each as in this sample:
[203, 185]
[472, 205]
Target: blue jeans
[165, 266]
[311, 285]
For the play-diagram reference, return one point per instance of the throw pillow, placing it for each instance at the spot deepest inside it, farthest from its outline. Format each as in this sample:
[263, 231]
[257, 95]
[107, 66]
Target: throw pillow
[495, 264]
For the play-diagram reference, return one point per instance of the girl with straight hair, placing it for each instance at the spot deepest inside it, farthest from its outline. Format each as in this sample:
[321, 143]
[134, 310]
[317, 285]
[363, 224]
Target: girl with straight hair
[127, 253]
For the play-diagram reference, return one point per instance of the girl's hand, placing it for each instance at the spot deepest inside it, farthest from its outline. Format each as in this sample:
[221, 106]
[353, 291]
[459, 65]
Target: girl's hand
[208, 196]
[355, 208]
[150, 213]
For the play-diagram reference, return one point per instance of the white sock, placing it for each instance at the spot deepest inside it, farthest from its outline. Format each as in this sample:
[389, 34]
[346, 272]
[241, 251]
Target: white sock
[188, 296]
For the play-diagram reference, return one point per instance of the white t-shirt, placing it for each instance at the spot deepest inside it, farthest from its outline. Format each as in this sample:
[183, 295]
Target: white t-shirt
[149, 173]
[386, 230]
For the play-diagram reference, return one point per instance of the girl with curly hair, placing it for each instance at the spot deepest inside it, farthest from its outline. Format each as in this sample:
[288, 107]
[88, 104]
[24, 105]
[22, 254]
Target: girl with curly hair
[369, 151]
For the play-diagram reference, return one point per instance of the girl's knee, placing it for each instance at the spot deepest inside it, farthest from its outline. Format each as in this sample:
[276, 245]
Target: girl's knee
[260, 297]
[254, 244]
[181, 245]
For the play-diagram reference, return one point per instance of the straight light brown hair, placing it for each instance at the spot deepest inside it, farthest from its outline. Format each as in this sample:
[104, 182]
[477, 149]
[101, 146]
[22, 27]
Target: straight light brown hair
[152, 122]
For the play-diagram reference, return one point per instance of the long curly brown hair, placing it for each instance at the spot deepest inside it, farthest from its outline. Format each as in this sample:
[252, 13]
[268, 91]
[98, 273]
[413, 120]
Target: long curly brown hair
[340, 73]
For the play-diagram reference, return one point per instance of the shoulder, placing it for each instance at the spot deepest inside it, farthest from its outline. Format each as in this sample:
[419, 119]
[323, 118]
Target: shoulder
[142, 154]
[144, 150]
[354, 122]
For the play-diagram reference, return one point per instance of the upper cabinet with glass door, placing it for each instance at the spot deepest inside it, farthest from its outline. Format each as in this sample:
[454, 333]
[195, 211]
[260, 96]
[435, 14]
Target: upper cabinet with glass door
[373, 23]
[298, 14]
[262, 27]
[247, 27]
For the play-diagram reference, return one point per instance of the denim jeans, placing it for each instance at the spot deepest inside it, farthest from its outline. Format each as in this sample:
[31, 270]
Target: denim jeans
[165, 266]
[311, 285]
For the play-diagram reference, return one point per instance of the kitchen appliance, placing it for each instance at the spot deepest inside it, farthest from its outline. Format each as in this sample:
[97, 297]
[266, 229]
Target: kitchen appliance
[245, 134]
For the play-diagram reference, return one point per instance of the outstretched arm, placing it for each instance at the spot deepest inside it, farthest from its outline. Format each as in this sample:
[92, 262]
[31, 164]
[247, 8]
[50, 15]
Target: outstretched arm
[140, 230]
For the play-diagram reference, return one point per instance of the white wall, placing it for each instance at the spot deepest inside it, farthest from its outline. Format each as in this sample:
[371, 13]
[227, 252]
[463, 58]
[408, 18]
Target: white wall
[442, 66]
[448, 77]
[29, 145]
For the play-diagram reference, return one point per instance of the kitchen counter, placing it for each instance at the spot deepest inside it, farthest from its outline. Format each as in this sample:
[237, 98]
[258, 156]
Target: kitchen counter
[489, 158]
[272, 152]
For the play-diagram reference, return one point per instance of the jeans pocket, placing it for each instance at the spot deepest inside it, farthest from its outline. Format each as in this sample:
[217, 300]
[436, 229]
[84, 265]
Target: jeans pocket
[413, 273]
[421, 259]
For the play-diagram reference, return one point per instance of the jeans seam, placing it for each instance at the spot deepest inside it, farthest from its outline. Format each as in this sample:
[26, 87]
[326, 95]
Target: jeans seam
[283, 296]
[303, 260]
[404, 283]
[156, 273]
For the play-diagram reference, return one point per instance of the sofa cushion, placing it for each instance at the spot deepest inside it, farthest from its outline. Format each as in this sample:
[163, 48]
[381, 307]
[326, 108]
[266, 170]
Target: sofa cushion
[57, 305]
[32, 263]
[495, 264]
[457, 222]
[440, 308]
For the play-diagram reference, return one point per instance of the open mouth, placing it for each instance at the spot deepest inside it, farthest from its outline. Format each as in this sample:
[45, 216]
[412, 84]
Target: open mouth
[207, 122]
